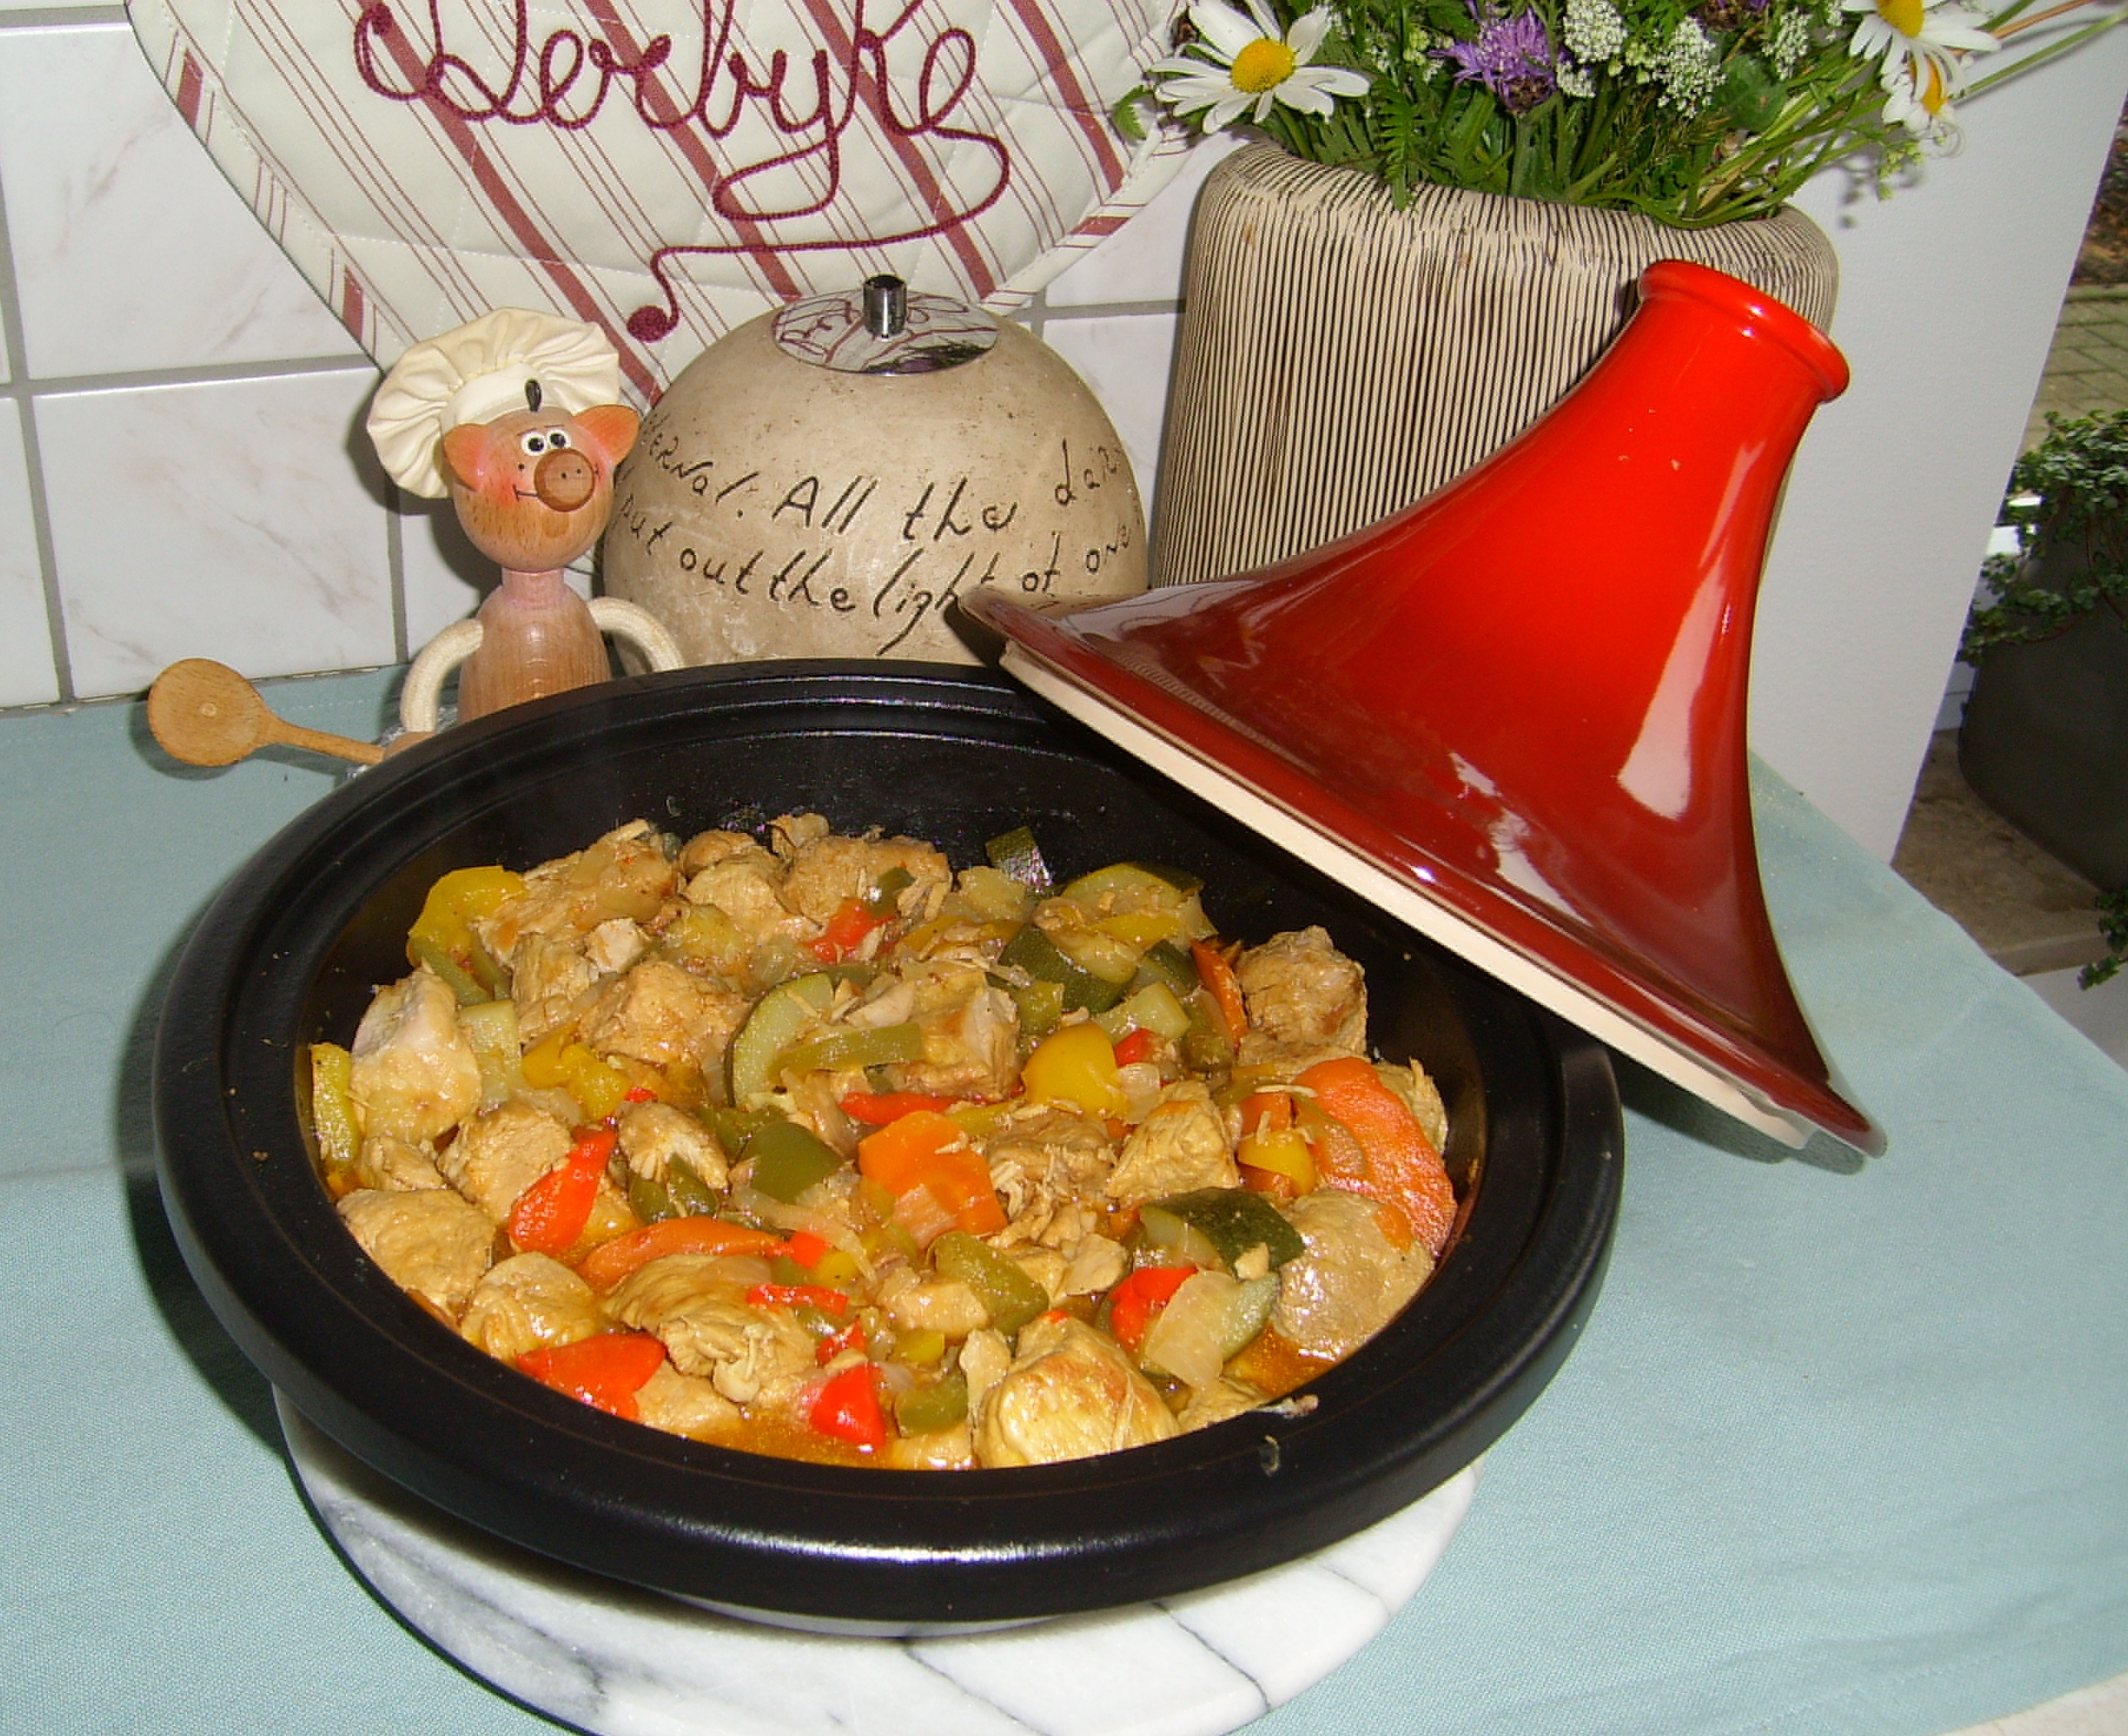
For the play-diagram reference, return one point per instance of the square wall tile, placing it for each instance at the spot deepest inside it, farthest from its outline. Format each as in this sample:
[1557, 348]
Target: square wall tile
[26, 675]
[1142, 261]
[131, 249]
[1125, 358]
[241, 520]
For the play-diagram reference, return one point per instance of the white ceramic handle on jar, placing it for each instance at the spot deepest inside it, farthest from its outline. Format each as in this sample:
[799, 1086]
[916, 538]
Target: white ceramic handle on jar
[641, 628]
[425, 677]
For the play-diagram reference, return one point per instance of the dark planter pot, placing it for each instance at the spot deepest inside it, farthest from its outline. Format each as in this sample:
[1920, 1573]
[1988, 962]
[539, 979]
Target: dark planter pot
[2045, 743]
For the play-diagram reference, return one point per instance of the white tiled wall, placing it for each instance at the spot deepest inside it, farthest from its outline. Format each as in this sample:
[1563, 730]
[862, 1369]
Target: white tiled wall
[182, 472]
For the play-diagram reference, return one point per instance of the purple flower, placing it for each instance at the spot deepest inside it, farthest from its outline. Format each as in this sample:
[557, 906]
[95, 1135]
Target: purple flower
[1512, 58]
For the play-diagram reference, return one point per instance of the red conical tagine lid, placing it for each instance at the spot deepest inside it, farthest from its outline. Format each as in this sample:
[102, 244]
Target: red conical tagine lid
[1512, 715]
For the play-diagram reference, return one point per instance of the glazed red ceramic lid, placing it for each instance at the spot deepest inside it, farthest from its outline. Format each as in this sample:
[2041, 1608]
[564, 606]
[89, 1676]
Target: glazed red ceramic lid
[1513, 715]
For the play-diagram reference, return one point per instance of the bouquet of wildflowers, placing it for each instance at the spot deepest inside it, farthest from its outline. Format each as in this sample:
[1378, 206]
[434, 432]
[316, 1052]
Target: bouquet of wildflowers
[1692, 111]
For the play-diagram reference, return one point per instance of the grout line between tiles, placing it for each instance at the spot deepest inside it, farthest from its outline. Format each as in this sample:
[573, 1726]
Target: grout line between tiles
[43, 18]
[1111, 310]
[218, 373]
[33, 463]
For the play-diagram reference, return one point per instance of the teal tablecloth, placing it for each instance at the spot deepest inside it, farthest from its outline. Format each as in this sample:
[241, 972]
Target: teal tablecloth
[1844, 1449]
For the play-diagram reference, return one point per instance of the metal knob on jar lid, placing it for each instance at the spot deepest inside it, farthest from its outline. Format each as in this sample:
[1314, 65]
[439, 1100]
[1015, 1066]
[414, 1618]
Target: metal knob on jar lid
[883, 327]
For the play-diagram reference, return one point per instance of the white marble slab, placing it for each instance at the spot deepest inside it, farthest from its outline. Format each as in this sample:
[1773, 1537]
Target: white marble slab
[619, 1661]
[223, 519]
[131, 252]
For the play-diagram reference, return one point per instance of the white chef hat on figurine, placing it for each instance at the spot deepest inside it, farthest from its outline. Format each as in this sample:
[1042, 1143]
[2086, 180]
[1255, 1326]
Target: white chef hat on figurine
[478, 372]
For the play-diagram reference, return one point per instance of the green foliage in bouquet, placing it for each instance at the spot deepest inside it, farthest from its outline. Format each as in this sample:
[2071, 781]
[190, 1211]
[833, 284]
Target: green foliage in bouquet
[1692, 114]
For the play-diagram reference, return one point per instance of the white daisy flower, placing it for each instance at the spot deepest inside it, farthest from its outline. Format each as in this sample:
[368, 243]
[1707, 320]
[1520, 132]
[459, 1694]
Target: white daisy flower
[1245, 63]
[1924, 45]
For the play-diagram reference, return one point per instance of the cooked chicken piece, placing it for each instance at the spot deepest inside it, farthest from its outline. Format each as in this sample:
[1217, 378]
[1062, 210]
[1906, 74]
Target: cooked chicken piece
[550, 981]
[788, 834]
[1069, 1394]
[684, 1404]
[941, 1304]
[1095, 1266]
[1422, 1096]
[393, 1166]
[614, 946]
[1045, 1266]
[415, 1075]
[1226, 1398]
[652, 1135]
[1181, 1146]
[430, 1242]
[946, 1449]
[1272, 1059]
[706, 848]
[527, 1302]
[983, 1360]
[1301, 990]
[1351, 1281]
[744, 886]
[498, 1155]
[662, 1013]
[693, 1304]
[625, 873]
[971, 1033]
[825, 871]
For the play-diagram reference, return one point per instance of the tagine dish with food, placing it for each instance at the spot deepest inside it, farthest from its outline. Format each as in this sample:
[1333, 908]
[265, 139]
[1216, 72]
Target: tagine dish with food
[803, 1143]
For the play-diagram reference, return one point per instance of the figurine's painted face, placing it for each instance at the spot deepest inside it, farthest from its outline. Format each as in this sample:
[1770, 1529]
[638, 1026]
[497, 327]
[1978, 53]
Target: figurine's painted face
[534, 488]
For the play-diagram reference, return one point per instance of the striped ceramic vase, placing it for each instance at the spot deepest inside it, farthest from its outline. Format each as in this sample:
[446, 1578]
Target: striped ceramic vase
[1339, 358]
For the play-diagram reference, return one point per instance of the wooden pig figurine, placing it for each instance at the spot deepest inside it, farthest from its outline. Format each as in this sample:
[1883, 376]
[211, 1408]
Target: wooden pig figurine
[513, 417]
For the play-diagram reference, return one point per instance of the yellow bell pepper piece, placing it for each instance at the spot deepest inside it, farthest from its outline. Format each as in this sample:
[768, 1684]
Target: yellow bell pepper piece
[1284, 1153]
[1076, 1064]
[463, 894]
[599, 1090]
[333, 1111]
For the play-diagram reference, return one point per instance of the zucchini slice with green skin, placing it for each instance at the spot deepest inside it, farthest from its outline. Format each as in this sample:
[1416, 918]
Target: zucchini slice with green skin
[1233, 1220]
[1033, 951]
[1016, 854]
[778, 1020]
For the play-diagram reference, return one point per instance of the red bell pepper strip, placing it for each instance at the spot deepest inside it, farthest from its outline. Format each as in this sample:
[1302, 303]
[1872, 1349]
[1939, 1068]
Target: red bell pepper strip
[853, 920]
[551, 1214]
[806, 1248]
[877, 1108]
[610, 1262]
[1399, 1166]
[1137, 1045]
[848, 1408]
[851, 1337]
[1218, 977]
[1142, 1294]
[606, 1370]
[798, 1295]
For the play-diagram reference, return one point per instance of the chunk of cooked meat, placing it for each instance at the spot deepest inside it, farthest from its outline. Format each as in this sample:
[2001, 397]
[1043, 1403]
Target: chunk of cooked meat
[684, 1404]
[1069, 1394]
[1421, 1096]
[652, 1135]
[625, 873]
[662, 1013]
[415, 1075]
[706, 848]
[695, 1305]
[1302, 993]
[496, 1156]
[1044, 1160]
[551, 979]
[971, 1033]
[826, 870]
[394, 1166]
[744, 887]
[1226, 1397]
[614, 946]
[1351, 1281]
[1180, 1147]
[944, 1305]
[944, 1449]
[430, 1242]
[527, 1302]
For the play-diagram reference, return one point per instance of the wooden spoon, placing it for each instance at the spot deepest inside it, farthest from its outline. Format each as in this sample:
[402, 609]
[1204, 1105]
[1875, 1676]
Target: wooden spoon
[205, 713]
